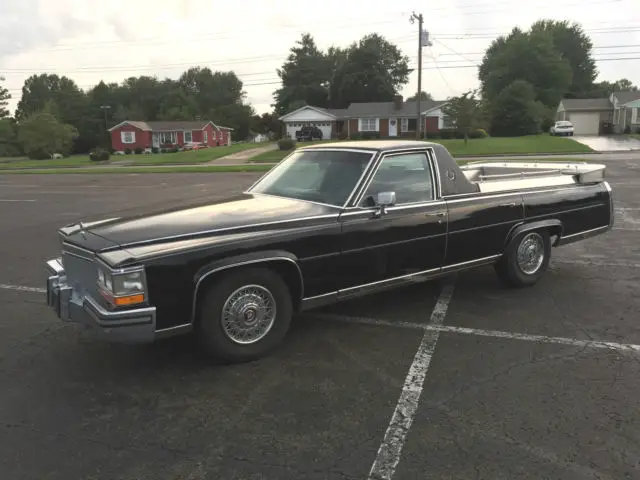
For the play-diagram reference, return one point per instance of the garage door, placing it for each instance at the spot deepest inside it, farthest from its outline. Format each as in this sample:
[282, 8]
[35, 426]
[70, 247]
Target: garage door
[585, 123]
[325, 127]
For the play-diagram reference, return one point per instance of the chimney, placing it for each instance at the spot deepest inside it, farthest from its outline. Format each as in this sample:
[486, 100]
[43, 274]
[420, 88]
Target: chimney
[397, 102]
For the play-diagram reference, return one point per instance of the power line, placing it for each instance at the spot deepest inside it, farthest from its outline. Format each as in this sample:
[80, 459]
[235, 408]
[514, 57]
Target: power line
[278, 82]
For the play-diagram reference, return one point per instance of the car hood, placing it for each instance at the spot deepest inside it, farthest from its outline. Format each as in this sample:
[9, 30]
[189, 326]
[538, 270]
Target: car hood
[244, 212]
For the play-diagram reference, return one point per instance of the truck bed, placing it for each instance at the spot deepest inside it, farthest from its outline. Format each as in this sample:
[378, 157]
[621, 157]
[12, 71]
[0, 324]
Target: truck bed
[504, 176]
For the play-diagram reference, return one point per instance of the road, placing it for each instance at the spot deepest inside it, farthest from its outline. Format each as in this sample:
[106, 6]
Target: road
[509, 384]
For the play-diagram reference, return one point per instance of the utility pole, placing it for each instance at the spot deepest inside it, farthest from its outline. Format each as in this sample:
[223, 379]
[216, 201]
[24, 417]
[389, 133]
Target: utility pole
[423, 40]
[420, 20]
[105, 108]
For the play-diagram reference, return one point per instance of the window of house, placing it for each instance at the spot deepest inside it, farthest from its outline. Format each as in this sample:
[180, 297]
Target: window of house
[128, 137]
[168, 137]
[447, 121]
[408, 175]
[368, 125]
[188, 137]
[205, 136]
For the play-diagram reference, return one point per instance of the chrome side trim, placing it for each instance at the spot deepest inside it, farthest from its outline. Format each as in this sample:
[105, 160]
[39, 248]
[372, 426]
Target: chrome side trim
[405, 206]
[458, 197]
[574, 237]
[173, 331]
[220, 230]
[389, 283]
[240, 264]
[470, 263]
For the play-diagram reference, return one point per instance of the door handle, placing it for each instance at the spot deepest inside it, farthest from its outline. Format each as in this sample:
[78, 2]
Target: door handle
[512, 204]
[440, 215]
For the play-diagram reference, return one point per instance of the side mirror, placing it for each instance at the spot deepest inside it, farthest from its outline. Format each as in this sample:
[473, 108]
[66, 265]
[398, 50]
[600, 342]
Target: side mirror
[384, 200]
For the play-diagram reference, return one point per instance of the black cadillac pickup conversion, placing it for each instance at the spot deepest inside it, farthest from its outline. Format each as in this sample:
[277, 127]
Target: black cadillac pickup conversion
[329, 222]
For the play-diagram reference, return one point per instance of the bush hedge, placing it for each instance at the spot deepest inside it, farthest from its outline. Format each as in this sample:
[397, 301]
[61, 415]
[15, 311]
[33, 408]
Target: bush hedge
[286, 144]
[99, 155]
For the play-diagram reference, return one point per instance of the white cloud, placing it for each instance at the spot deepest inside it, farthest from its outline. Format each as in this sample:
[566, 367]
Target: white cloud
[112, 40]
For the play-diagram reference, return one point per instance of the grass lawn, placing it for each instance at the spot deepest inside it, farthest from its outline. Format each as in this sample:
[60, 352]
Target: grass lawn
[218, 168]
[143, 169]
[189, 157]
[534, 144]
[530, 144]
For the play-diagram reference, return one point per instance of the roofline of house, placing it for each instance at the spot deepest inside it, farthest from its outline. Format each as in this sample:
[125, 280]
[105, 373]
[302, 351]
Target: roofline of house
[324, 112]
[130, 122]
[368, 115]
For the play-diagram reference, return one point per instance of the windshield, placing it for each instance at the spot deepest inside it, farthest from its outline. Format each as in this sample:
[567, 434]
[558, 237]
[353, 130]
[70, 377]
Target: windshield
[563, 123]
[316, 175]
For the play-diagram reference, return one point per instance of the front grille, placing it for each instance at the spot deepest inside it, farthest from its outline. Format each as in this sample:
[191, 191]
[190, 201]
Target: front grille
[80, 270]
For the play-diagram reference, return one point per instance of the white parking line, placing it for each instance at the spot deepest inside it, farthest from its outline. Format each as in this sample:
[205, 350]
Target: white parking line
[391, 448]
[595, 263]
[15, 200]
[574, 342]
[22, 288]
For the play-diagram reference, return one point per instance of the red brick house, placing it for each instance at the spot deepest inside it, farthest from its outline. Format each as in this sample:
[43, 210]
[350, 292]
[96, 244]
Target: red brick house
[134, 134]
[385, 119]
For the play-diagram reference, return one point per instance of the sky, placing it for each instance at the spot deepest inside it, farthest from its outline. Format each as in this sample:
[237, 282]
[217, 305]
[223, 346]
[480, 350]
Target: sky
[90, 41]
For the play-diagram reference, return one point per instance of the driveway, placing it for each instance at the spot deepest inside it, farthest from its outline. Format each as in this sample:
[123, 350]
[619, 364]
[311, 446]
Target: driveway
[609, 144]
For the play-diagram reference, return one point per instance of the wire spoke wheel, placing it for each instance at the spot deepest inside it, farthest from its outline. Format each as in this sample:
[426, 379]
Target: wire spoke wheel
[248, 314]
[530, 254]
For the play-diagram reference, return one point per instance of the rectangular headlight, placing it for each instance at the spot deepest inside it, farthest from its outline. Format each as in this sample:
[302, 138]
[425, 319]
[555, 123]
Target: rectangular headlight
[122, 287]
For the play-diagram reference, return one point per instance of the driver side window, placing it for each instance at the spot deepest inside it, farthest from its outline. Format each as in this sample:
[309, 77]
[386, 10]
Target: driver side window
[408, 175]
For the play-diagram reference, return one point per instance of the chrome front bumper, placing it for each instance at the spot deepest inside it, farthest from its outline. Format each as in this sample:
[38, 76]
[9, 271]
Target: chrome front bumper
[130, 326]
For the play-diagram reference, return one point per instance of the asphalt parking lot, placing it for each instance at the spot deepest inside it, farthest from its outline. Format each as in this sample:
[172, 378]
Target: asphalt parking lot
[454, 379]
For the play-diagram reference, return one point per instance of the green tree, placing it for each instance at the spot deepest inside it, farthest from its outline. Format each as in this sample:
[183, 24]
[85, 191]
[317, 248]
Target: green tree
[575, 46]
[5, 96]
[305, 76]
[41, 135]
[423, 97]
[515, 111]
[465, 112]
[9, 146]
[374, 70]
[526, 56]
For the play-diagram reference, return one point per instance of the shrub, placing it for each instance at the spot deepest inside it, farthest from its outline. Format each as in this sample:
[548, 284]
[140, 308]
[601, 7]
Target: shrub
[286, 144]
[446, 133]
[99, 155]
[369, 135]
[431, 135]
[173, 150]
[343, 136]
[138, 150]
[127, 151]
[356, 136]
[155, 149]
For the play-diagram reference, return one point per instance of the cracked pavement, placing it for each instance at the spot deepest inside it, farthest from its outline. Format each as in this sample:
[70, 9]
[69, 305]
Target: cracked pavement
[491, 408]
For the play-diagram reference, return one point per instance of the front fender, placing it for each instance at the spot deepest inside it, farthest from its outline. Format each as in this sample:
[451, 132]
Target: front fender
[253, 258]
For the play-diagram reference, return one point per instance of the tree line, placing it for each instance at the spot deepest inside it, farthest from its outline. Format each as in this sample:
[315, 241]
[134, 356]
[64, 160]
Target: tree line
[523, 76]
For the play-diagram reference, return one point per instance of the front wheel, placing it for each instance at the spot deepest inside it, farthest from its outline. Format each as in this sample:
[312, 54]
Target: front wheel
[525, 259]
[244, 315]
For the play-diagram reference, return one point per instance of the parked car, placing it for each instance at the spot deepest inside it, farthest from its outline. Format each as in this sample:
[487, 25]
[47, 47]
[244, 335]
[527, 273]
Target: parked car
[562, 127]
[308, 133]
[328, 223]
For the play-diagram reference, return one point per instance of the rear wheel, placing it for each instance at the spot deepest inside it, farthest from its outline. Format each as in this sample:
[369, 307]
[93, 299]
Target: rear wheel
[244, 315]
[525, 259]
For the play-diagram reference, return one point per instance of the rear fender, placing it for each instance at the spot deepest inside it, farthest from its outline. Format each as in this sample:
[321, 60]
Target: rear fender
[550, 224]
